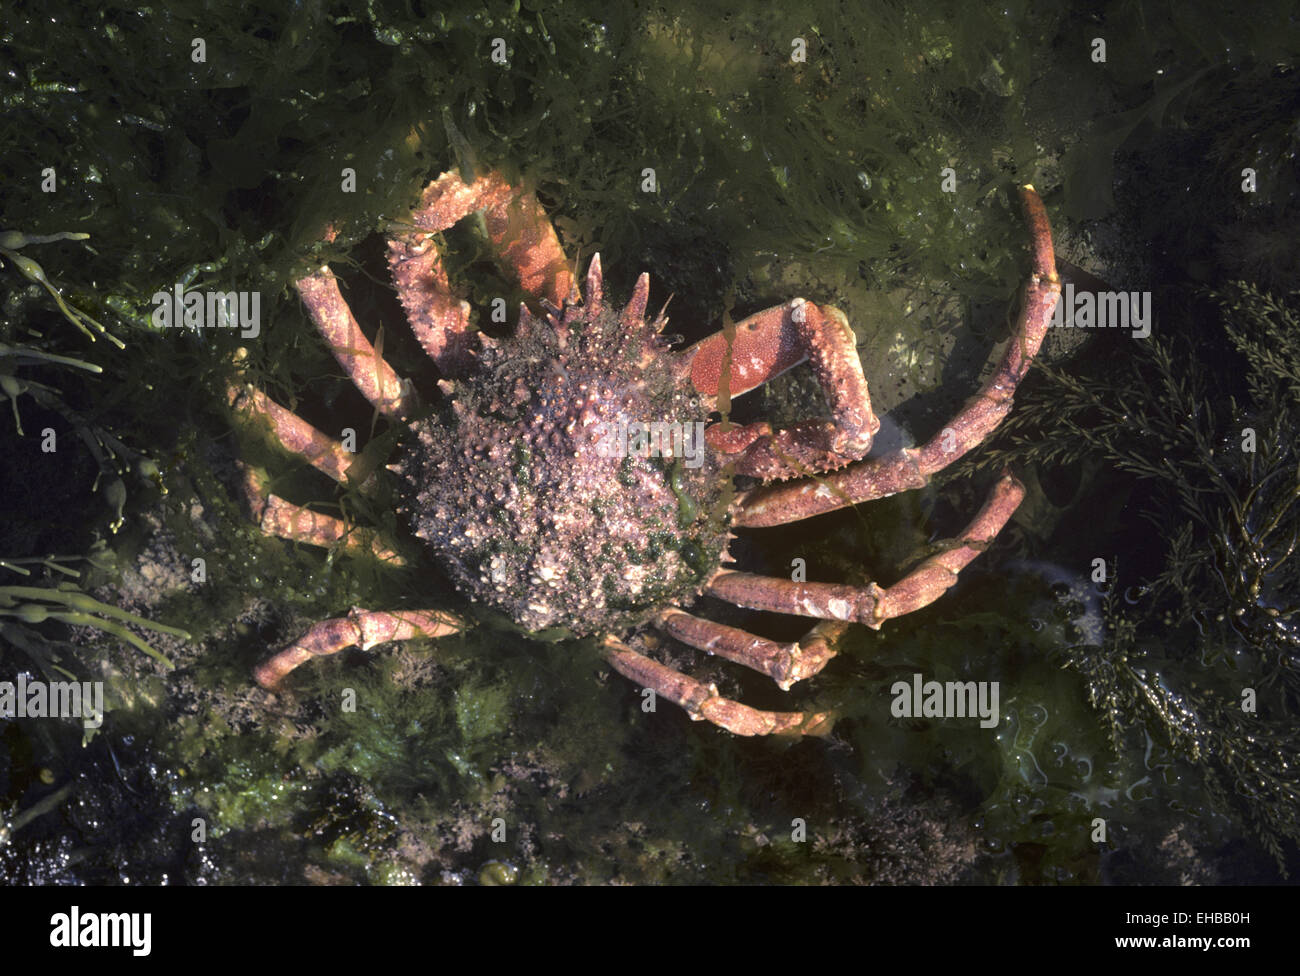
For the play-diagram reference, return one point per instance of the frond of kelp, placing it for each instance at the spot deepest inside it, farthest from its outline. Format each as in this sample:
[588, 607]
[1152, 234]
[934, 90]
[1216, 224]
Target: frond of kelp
[24, 608]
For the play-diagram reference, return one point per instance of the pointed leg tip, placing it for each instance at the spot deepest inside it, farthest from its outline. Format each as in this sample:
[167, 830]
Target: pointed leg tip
[819, 724]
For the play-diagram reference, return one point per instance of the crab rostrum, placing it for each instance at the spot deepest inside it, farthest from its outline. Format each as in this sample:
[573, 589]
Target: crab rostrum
[569, 478]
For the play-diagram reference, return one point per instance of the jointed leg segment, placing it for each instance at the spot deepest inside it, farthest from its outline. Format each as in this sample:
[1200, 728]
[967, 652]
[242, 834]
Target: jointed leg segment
[911, 468]
[360, 628]
[763, 347]
[519, 230]
[285, 520]
[873, 604]
[702, 701]
[784, 663]
[293, 433]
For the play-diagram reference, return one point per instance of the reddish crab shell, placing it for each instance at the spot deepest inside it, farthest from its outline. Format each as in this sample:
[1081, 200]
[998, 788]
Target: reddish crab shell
[568, 477]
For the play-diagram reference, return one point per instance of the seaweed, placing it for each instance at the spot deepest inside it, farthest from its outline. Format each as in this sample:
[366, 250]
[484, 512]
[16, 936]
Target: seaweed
[23, 608]
[1205, 649]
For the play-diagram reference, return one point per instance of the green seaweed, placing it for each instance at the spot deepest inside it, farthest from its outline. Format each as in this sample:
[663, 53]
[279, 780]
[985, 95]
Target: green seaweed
[1210, 661]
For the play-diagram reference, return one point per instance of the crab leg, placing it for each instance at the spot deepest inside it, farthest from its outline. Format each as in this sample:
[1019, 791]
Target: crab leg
[516, 223]
[912, 467]
[784, 663]
[873, 604]
[521, 233]
[354, 352]
[763, 347]
[293, 433]
[702, 701]
[285, 520]
[360, 628]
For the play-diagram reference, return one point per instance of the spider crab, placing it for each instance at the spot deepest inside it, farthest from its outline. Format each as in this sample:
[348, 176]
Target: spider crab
[536, 509]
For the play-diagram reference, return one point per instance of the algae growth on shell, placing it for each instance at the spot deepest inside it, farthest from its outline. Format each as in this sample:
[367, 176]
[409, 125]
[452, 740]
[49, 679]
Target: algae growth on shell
[529, 485]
